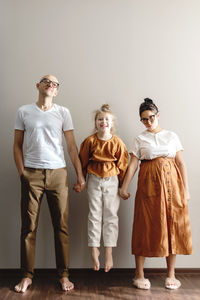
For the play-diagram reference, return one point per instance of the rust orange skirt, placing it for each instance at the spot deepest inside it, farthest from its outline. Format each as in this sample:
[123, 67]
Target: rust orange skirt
[161, 222]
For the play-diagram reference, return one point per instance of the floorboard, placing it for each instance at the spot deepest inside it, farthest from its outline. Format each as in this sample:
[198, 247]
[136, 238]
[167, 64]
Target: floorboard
[91, 285]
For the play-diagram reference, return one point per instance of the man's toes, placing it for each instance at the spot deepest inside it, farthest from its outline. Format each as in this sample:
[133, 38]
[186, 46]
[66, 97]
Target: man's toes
[23, 285]
[67, 287]
[17, 288]
[64, 287]
[66, 284]
[24, 288]
[71, 287]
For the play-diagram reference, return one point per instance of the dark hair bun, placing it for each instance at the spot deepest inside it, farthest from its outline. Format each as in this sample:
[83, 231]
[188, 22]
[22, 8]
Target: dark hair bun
[148, 101]
[147, 105]
[105, 108]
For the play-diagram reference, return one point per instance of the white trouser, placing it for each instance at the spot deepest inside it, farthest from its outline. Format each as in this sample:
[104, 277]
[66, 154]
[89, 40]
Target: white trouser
[103, 204]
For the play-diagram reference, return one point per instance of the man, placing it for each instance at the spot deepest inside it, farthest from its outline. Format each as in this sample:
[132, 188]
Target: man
[39, 158]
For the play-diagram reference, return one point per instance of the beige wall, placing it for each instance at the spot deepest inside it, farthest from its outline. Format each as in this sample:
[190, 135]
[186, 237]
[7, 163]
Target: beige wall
[116, 51]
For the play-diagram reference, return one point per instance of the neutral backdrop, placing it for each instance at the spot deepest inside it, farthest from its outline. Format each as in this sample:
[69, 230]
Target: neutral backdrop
[114, 51]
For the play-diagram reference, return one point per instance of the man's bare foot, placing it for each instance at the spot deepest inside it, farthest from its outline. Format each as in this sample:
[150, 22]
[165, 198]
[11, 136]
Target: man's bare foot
[95, 258]
[66, 285]
[23, 285]
[108, 259]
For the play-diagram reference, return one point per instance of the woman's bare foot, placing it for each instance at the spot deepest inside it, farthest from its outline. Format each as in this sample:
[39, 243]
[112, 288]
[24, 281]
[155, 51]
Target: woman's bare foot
[66, 285]
[23, 285]
[95, 258]
[108, 259]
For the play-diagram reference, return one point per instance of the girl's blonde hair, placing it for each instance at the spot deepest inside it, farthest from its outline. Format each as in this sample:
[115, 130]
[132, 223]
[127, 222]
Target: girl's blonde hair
[105, 108]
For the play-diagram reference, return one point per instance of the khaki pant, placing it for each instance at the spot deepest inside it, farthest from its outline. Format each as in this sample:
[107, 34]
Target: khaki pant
[104, 203]
[34, 183]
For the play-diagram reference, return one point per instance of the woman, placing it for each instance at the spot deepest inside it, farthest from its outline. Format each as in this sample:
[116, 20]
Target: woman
[161, 223]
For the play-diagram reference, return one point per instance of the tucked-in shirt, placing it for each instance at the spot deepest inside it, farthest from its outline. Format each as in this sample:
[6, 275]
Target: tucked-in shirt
[104, 158]
[43, 131]
[152, 145]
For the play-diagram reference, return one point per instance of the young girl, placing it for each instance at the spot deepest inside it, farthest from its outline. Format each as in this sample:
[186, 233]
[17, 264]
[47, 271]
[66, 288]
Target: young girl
[104, 159]
[161, 223]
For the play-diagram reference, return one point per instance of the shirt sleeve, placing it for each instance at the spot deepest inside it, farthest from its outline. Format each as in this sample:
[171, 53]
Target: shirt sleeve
[135, 148]
[84, 155]
[122, 161]
[19, 122]
[178, 144]
[67, 120]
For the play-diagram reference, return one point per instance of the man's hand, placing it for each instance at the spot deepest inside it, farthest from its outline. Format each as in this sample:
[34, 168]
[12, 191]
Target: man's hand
[73, 153]
[20, 173]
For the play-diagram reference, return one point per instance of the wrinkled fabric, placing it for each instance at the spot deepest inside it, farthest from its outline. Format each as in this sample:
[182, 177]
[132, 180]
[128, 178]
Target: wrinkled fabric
[104, 204]
[104, 158]
[161, 222]
[54, 183]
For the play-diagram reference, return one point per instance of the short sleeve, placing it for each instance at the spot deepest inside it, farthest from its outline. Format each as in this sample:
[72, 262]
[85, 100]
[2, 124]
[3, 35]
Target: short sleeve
[177, 142]
[67, 120]
[19, 123]
[135, 149]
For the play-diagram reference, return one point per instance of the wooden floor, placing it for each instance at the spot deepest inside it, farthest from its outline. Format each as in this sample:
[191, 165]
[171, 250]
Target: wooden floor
[117, 284]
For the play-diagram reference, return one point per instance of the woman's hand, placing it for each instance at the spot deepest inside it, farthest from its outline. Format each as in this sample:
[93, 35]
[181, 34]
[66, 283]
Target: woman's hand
[124, 194]
[187, 195]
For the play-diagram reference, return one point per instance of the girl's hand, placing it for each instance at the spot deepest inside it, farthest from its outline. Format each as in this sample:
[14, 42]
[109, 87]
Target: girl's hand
[124, 194]
[76, 188]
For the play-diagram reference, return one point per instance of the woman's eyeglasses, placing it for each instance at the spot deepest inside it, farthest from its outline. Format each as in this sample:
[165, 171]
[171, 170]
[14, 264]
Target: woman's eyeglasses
[149, 119]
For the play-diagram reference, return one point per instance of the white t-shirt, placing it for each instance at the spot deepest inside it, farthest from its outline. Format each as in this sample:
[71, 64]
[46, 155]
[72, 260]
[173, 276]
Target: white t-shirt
[43, 144]
[151, 145]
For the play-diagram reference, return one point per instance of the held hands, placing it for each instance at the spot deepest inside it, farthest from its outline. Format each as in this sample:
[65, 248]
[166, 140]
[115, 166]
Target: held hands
[124, 194]
[79, 186]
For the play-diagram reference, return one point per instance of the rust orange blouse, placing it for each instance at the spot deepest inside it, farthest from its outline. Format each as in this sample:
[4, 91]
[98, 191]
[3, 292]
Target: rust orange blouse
[104, 158]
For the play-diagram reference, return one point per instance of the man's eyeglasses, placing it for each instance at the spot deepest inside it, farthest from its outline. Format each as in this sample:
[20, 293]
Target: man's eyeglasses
[49, 82]
[149, 119]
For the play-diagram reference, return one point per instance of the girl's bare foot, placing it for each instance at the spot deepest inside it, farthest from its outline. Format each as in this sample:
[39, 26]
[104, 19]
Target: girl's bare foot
[66, 285]
[95, 258]
[23, 285]
[108, 259]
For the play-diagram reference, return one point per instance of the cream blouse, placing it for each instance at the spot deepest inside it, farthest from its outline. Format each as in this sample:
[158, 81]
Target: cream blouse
[152, 145]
